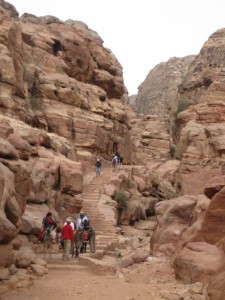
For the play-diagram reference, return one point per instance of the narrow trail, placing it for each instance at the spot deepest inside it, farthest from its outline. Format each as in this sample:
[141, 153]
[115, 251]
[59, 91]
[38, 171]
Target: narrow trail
[104, 228]
[82, 278]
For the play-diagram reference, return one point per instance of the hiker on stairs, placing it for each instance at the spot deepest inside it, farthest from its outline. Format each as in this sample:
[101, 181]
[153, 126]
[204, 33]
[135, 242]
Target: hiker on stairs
[98, 166]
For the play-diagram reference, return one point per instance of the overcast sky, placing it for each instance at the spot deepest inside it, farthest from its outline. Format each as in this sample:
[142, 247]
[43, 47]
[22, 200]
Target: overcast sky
[141, 33]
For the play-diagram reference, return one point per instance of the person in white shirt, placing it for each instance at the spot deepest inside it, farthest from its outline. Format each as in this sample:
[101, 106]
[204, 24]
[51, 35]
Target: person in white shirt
[80, 220]
[80, 226]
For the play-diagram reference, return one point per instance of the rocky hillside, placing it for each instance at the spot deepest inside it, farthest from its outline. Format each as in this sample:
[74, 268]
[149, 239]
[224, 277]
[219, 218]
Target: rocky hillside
[62, 103]
[58, 77]
[202, 123]
[158, 94]
[205, 76]
[190, 227]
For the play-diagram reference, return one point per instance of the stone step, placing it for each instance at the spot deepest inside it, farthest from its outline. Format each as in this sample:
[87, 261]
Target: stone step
[67, 267]
[93, 261]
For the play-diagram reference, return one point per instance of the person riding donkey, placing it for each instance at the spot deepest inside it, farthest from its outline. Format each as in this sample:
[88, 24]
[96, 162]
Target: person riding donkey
[47, 223]
[82, 225]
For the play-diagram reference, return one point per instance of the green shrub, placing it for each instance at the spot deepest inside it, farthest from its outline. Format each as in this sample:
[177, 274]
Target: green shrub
[130, 182]
[36, 103]
[182, 105]
[121, 199]
[171, 195]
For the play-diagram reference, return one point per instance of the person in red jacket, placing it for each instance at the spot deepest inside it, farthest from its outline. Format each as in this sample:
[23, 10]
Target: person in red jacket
[68, 237]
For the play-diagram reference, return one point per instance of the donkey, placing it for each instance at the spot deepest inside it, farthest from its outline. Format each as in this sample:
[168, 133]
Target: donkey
[49, 238]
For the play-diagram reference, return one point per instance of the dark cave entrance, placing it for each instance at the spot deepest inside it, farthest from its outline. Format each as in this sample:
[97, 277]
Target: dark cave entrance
[56, 47]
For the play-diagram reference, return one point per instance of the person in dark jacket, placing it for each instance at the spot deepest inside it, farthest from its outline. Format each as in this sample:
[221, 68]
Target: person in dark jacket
[68, 237]
[98, 166]
[48, 221]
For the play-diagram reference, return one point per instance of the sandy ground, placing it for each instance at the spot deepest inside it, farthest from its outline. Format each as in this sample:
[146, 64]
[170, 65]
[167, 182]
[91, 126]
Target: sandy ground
[153, 279]
[150, 280]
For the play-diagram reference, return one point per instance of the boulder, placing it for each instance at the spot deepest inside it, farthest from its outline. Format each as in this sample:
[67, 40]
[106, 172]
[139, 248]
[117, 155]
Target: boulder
[7, 150]
[198, 261]
[139, 257]
[127, 262]
[6, 256]
[216, 286]
[4, 274]
[214, 185]
[22, 146]
[71, 177]
[212, 230]
[38, 269]
[173, 216]
[31, 220]
[24, 257]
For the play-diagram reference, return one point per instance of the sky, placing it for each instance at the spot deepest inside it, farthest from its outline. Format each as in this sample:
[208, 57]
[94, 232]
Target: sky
[140, 33]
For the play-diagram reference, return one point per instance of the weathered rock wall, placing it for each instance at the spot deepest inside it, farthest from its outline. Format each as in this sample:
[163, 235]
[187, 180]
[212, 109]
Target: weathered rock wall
[201, 125]
[158, 94]
[191, 227]
[57, 76]
[62, 103]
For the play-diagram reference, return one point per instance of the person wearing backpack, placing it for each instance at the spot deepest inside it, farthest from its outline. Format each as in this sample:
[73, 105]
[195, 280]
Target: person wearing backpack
[98, 166]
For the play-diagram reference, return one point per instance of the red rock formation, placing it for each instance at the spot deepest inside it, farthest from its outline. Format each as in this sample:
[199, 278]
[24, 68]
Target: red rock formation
[158, 94]
[62, 100]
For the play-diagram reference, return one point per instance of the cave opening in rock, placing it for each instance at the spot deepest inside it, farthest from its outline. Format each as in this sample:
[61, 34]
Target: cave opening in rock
[56, 47]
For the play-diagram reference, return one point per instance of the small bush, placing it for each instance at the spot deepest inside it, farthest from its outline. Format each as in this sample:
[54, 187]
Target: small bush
[130, 182]
[182, 105]
[121, 199]
[171, 195]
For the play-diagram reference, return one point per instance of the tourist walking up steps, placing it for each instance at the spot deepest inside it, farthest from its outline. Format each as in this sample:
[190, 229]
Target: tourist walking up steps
[98, 166]
[68, 237]
[114, 162]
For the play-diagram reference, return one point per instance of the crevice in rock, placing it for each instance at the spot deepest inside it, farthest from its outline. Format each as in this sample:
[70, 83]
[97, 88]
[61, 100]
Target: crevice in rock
[56, 47]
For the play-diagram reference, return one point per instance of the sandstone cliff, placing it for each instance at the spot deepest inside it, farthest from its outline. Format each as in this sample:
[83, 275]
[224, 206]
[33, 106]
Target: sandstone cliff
[57, 76]
[202, 123]
[158, 94]
[190, 227]
[62, 103]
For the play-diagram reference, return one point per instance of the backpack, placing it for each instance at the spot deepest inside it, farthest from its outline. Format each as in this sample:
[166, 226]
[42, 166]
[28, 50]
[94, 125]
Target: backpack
[98, 164]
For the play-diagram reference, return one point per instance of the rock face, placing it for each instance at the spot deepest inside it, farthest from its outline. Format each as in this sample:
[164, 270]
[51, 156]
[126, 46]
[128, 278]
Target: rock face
[158, 94]
[197, 138]
[204, 79]
[157, 99]
[150, 138]
[62, 102]
[202, 124]
[57, 76]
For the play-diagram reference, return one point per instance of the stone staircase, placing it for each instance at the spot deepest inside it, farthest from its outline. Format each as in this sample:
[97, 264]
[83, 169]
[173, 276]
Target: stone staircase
[106, 237]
